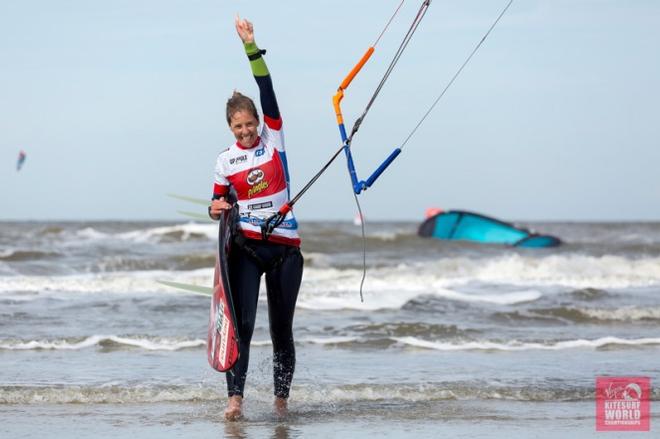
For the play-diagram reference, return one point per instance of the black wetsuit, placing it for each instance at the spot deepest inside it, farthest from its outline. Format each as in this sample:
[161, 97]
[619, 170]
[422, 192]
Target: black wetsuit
[283, 266]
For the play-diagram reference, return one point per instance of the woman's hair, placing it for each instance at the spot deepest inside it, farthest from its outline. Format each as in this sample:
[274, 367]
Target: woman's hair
[240, 102]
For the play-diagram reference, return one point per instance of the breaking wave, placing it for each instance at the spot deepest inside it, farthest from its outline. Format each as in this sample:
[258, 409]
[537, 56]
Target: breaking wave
[103, 341]
[329, 397]
[174, 233]
[515, 345]
[111, 342]
[584, 315]
[26, 255]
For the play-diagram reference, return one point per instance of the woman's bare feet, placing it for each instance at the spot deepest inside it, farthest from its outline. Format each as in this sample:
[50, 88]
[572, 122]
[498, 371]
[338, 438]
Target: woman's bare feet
[281, 407]
[234, 408]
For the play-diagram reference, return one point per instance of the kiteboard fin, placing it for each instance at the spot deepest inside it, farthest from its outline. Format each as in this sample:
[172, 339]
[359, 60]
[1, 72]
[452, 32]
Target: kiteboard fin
[195, 215]
[201, 201]
[197, 289]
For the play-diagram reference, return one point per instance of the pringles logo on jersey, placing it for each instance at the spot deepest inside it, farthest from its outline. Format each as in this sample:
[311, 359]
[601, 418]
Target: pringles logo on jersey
[255, 176]
[255, 179]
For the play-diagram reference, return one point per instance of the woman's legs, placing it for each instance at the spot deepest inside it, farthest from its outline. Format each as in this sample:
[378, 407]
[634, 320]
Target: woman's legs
[283, 283]
[244, 278]
[284, 266]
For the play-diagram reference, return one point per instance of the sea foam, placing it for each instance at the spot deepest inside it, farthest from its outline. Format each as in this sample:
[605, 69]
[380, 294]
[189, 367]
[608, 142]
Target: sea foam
[515, 345]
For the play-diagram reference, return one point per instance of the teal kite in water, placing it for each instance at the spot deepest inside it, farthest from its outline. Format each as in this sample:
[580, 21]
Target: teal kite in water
[470, 226]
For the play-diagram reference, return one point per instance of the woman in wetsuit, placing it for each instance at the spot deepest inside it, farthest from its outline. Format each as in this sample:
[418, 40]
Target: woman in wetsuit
[255, 166]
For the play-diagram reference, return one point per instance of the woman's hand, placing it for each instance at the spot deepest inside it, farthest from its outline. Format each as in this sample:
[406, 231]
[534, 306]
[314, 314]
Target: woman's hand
[217, 206]
[245, 30]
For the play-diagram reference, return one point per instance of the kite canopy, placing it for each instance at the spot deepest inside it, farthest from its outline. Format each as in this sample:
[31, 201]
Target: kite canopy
[432, 211]
[469, 226]
[21, 160]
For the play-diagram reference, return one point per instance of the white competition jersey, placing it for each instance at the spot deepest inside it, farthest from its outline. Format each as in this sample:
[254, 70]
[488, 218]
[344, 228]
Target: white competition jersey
[260, 176]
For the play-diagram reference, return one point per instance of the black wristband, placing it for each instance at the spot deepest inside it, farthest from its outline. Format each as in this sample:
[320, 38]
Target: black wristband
[257, 55]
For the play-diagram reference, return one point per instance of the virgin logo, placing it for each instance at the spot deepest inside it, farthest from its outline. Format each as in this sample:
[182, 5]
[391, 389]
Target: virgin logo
[631, 391]
[255, 176]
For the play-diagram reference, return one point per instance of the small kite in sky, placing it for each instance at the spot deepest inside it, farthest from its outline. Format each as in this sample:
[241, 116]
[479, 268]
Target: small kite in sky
[21, 160]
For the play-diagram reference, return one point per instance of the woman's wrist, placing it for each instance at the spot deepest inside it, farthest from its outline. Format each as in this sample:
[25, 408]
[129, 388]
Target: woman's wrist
[250, 47]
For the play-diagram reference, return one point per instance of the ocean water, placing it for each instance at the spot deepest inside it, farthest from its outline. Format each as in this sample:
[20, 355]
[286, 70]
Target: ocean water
[452, 339]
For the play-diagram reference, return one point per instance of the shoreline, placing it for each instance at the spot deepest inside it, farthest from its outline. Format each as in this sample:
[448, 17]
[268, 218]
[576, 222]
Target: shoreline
[455, 419]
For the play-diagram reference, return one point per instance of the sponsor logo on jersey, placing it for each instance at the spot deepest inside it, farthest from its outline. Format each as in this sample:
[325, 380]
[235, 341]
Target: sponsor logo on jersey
[258, 206]
[237, 160]
[260, 152]
[255, 176]
[255, 179]
[256, 221]
[257, 188]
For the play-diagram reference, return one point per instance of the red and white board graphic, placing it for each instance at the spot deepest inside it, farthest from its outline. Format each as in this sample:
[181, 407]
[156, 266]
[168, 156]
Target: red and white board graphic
[222, 344]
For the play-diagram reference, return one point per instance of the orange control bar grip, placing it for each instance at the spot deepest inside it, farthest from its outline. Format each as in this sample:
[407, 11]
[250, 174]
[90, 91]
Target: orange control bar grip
[347, 81]
[336, 100]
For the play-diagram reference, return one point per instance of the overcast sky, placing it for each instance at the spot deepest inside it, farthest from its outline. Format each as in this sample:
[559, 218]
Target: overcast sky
[118, 103]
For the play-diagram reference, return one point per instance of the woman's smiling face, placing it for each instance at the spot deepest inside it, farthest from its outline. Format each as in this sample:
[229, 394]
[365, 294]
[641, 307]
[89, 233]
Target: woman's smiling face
[244, 126]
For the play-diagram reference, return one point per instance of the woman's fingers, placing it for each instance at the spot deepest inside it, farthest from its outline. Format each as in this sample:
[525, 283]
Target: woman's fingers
[217, 206]
[244, 27]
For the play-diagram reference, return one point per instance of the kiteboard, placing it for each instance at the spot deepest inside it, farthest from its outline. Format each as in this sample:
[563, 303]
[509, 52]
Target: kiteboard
[222, 345]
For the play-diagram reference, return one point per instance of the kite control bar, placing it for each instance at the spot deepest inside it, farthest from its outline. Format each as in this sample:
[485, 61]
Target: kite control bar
[358, 185]
[361, 185]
